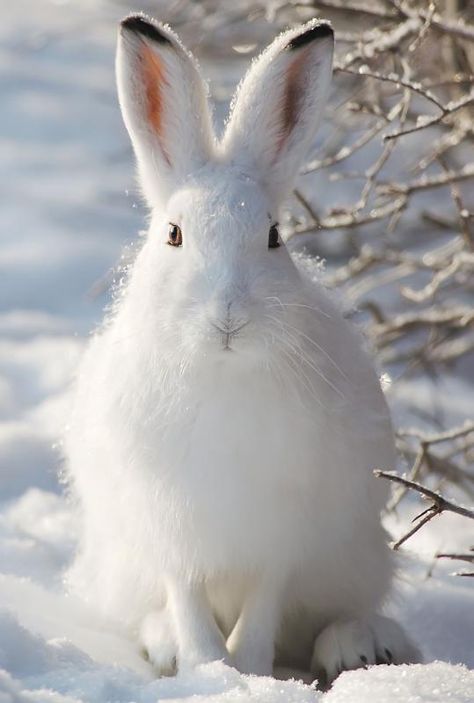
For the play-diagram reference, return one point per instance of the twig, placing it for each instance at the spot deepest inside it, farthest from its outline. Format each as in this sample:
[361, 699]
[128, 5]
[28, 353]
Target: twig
[445, 142]
[464, 214]
[459, 557]
[373, 171]
[439, 501]
[346, 151]
[424, 30]
[348, 219]
[447, 436]
[469, 558]
[358, 8]
[394, 79]
[425, 121]
[463, 259]
[460, 317]
[307, 206]
[458, 28]
[428, 182]
[386, 41]
[440, 504]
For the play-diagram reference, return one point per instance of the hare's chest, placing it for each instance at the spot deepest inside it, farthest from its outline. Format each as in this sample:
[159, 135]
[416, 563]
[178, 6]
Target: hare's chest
[248, 434]
[242, 472]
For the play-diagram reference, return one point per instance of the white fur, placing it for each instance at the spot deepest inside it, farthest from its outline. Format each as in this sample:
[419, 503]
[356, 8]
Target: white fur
[252, 135]
[227, 493]
[186, 120]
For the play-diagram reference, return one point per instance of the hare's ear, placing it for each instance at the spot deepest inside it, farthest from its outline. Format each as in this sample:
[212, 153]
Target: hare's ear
[279, 104]
[164, 105]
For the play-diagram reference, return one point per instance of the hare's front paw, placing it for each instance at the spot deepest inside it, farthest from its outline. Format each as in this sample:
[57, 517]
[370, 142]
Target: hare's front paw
[354, 644]
[159, 643]
[251, 657]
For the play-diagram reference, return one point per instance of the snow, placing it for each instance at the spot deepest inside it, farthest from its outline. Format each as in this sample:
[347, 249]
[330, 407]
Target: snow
[410, 684]
[69, 206]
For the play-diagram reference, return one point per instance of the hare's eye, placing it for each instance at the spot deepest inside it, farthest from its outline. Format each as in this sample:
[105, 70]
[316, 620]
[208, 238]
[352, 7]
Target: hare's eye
[273, 237]
[175, 238]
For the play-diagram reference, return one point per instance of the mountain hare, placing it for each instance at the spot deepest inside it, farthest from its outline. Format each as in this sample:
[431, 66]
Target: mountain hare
[227, 418]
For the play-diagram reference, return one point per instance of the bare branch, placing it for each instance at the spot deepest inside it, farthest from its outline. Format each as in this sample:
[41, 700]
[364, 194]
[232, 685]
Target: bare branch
[457, 28]
[427, 182]
[447, 436]
[463, 260]
[457, 318]
[346, 220]
[394, 79]
[459, 557]
[346, 151]
[307, 206]
[425, 121]
[383, 42]
[440, 504]
[358, 8]
[464, 214]
[469, 558]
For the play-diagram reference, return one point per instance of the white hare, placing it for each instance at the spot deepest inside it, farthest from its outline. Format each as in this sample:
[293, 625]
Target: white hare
[227, 418]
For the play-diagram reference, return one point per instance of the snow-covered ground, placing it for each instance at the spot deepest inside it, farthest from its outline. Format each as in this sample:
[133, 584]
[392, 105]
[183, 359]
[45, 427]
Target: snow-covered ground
[68, 206]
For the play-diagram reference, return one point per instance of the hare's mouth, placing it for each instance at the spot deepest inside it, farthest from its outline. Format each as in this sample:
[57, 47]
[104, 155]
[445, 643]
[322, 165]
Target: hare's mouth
[228, 333]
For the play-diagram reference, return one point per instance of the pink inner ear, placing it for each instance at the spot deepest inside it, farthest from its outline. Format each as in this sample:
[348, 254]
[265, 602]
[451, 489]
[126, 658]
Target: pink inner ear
[292, 97]
[153, 76]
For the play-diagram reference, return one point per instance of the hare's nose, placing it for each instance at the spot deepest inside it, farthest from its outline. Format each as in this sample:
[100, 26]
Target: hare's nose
[228, 315]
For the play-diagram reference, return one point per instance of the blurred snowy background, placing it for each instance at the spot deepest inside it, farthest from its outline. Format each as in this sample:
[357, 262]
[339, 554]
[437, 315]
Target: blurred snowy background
[69, 205]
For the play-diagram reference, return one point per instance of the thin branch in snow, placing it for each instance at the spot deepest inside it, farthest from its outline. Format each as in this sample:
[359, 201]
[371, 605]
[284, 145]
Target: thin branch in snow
[467, 557]
[459, 557]
[440, 504]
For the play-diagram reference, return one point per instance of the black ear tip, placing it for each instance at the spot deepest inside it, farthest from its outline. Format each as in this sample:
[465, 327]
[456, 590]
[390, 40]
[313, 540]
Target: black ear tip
[322, 30]
[139, 24]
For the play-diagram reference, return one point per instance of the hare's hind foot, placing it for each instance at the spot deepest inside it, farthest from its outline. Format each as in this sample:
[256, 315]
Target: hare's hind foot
[354, 644]
[158, 642]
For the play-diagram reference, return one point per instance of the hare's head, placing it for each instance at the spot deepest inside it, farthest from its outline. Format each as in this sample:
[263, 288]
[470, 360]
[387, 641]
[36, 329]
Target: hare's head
[214, 234]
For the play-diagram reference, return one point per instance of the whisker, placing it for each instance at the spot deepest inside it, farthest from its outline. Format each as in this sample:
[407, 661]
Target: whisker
[321, 349]
[304, 357]
[301, 377]
[279, 303]
[299, 369]
[312, 341]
